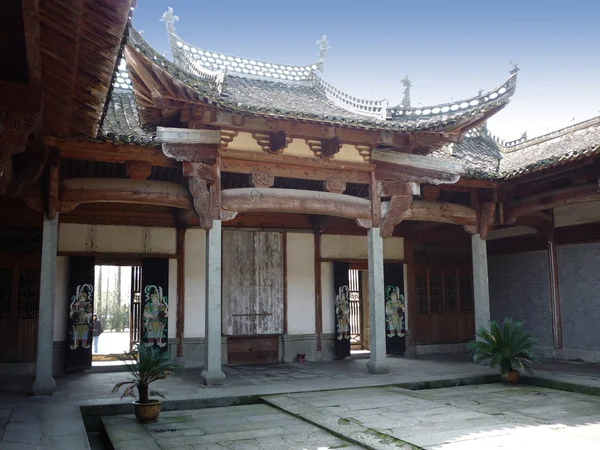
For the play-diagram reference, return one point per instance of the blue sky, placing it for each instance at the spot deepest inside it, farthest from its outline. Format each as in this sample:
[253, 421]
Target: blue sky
[449, 49]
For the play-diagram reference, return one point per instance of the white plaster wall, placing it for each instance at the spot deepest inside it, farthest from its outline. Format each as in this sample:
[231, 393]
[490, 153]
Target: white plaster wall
[327, 297]
[195, 263]
[300, 284]
[577, 214]
[173, 298]
[61, 295]
[356, 247]
[74, 237]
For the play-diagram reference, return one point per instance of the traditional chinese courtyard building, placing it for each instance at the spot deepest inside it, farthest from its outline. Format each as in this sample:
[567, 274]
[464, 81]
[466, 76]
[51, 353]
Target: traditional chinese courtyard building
[267, 214]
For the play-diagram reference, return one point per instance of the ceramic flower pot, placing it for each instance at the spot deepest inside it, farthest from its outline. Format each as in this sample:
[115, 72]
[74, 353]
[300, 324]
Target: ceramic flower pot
[147, 412]
[512, 377]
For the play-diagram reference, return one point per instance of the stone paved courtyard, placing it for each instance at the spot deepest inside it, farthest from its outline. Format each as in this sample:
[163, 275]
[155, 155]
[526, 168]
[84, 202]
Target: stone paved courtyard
[490, 416]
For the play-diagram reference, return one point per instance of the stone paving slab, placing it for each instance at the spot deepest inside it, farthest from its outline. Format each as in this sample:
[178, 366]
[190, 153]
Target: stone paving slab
[477, 417]
[232, 427]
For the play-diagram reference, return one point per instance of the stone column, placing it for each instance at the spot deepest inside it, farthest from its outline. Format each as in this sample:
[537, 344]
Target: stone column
[481, 290]
[213, 374]
[44, 383]
[377, 364]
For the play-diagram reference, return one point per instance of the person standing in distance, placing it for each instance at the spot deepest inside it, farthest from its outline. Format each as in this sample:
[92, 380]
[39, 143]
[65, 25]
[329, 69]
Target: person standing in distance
[97, 330]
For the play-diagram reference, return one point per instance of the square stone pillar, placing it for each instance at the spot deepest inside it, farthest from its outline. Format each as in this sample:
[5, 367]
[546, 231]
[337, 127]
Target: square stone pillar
[213, 374]
[377, 364]
[44, 383]
[481, 290]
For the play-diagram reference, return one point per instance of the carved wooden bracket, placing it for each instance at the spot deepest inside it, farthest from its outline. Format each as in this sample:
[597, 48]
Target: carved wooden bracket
[262, 179]
[364, 223]
[397, 187]
[201, 196]
[199, 170]
[335, 185]
[226, 137]
[35, 203]
[325, 148]
[486, 219]
[431, 193]
[364, 151]
[471, 229]
[138, 170]
[67, 207]
[15, 127]
[272, 142]
[228, 215]
[397, 207]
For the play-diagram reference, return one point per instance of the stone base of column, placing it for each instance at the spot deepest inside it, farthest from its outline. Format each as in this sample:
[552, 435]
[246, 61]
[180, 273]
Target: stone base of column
[213, 377]
[43, 386]
[378, 367]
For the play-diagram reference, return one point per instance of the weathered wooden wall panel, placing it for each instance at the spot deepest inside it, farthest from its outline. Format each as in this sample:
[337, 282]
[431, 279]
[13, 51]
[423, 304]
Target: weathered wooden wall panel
[252, 283]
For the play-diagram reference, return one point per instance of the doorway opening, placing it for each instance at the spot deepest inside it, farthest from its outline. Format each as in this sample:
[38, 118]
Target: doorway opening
[117, 307]
[359, 312]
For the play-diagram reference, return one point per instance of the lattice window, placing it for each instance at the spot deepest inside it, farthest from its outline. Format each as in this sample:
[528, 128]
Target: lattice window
[28, 296]
[450, 281]
[466, 292]
[22, 240]
[436, 288]
[5, 292]
[421, 292]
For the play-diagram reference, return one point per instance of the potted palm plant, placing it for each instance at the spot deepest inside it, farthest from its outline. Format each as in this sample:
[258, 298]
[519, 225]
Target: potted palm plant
[149, 365]
[508, 347]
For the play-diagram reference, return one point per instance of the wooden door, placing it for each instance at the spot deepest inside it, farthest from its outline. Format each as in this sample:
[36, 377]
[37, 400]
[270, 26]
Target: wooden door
[155, 301]
[252, 292]
[341, 282]
[395, 309]
[19, 303]
[252, 296]
[81, 309]
[135, 310]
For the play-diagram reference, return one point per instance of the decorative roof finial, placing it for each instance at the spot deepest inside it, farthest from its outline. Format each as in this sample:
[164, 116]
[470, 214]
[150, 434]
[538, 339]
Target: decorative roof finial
[480, 92]
[406, 100]
[323, 47]
[170, 20]
[514, 69]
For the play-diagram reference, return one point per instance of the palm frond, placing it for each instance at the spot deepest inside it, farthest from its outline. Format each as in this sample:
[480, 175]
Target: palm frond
[508, 347]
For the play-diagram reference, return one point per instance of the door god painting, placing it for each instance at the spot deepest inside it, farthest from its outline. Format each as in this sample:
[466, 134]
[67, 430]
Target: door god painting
[80, 314]
[342, 313]
[394, 311]
[155, 316]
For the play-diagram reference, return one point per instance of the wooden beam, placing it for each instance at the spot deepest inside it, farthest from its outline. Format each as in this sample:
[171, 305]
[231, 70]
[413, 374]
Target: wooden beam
[549, 200]
[20, 97]
[187, 136]
[397, 187]
[180, 323]
[120, 190]
[109, 152]
[294, 166]
[256, 200]
[418, 161]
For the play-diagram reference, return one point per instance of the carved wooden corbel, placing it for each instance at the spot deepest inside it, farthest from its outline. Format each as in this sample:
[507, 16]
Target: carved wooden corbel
[364, 151]
[486, 219]
[397, 207]
[329, 147]
[262, 179]
[206, 153]
[67, 207]
[15, 127]
[335, 185]
[138, 170]
[431, 193]
[471, 229]
[227, 137]
[202, 205]
[272, 143]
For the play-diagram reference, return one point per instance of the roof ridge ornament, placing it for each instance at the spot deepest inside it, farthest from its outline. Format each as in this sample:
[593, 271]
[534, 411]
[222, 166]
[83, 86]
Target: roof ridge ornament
[170, 20]
[323, 44]
[407, 84]
[515, 68]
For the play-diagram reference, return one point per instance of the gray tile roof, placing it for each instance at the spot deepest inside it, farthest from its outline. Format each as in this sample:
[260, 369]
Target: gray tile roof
[485, 156]
[122, 121]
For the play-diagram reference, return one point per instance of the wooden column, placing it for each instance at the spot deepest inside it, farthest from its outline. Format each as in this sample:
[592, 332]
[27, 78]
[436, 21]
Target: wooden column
[180, 290]
[318, 297]
[557, 335]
